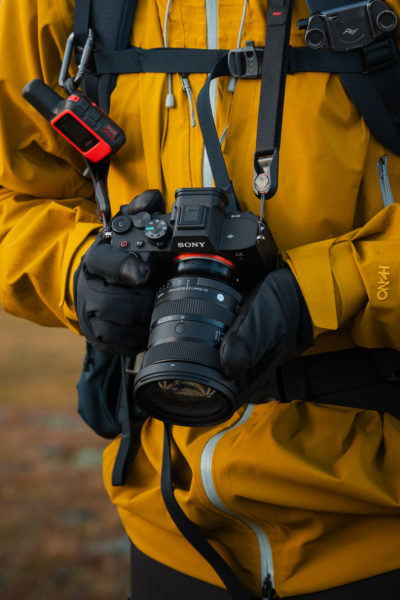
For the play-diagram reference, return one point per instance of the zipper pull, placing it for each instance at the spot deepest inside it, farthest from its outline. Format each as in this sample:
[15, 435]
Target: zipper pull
[384, 182]
[268, 592]
[186, 88]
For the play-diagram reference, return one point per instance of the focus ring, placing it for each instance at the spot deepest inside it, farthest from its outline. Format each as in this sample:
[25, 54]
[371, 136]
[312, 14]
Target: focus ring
[182, 351]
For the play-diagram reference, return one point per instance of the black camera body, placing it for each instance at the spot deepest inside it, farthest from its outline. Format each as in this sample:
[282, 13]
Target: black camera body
[349, 27]
[199, 224]
[203, 256]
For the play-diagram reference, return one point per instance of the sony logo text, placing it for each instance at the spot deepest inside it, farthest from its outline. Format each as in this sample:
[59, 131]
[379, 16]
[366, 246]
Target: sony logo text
[191, 244]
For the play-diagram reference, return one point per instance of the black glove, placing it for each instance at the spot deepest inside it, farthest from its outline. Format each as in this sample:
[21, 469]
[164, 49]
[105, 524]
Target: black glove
[272, 326]
[112, 300]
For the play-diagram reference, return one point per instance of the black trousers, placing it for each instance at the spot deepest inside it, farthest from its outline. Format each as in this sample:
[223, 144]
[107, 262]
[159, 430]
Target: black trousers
[150, 580]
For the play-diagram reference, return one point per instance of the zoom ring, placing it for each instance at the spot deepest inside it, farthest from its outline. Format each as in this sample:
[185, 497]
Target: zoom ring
[192, 307]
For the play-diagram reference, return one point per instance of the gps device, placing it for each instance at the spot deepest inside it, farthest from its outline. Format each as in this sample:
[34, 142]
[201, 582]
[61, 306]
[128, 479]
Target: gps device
[78, 119]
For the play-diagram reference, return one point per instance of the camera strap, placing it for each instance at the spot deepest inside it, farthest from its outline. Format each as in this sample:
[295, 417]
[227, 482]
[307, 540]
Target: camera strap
[191, 532]
[273, 79]
[268, 141]
[272, 93]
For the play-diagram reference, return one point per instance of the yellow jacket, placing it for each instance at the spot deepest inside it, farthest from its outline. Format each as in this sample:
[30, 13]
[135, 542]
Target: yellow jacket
[314, 491]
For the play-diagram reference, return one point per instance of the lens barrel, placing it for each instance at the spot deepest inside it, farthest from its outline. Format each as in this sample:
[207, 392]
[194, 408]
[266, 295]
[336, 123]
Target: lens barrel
[181, 381]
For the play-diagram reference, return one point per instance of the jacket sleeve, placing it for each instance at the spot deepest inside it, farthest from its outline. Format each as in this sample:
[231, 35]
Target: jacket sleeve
[354, 280]
[47, 215]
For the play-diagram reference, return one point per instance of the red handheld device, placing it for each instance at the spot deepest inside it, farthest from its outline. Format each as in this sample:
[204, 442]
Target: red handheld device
[78, 119]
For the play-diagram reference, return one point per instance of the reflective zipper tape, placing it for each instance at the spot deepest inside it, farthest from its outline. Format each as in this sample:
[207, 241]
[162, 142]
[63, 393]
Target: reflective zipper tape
[212, 42]
[266, 564]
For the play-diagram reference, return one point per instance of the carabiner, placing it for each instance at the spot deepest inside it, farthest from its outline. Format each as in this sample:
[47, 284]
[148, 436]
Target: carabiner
[68, 83]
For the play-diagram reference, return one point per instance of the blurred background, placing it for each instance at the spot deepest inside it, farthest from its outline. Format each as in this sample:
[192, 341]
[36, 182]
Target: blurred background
[60, 537]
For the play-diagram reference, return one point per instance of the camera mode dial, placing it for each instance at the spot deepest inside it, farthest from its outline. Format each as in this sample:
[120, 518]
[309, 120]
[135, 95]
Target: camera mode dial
[157, 232]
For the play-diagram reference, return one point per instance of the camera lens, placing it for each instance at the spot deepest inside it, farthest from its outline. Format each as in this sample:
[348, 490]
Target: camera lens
[181, 381]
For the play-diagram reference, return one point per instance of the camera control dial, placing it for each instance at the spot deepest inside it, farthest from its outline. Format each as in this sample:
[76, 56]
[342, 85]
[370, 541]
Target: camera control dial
[157, 232]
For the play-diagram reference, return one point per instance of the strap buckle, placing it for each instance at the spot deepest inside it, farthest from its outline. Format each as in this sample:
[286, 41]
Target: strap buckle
[378, 55]
[70, 84]
[245, 63]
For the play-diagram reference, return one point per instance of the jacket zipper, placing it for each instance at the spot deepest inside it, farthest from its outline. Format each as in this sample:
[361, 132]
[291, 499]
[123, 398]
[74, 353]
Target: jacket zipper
[188, 91]
[384, 182]
[267, 572]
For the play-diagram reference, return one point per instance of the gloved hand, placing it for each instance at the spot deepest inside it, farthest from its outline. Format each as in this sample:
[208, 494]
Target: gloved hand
[112, 300]
[273, 325]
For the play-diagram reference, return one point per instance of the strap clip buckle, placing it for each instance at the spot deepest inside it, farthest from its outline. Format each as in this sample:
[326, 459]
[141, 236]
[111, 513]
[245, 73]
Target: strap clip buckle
[378, 55]
[265, 179]
[245, 63]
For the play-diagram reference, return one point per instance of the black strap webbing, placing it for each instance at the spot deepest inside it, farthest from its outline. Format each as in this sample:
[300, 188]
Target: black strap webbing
[210, 136]
[124, 455]
[112, 24]
[190, 531]
[195, 60]
[158, 60]
[272, 93]
[303, 59]
[273, 77]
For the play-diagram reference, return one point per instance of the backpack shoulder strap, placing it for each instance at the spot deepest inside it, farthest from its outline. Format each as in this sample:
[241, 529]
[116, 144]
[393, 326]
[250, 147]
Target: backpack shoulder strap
[111, 23]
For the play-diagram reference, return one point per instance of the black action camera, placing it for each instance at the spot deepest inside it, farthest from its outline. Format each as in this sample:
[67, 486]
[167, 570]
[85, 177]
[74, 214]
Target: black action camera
[348, 27]
[207, 257]
[78, 119]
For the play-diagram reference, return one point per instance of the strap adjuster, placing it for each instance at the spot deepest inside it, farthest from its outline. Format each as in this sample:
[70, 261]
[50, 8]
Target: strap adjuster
[245, 63]
[378, 55]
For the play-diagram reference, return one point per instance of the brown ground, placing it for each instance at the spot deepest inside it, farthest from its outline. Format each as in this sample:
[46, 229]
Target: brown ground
[60, 537]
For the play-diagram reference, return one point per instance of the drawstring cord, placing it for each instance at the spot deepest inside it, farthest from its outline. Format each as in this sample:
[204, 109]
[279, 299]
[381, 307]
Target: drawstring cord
[170, 99]
[232, 83]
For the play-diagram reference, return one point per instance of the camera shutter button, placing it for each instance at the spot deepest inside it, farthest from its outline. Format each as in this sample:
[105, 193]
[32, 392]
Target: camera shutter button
[141, 219]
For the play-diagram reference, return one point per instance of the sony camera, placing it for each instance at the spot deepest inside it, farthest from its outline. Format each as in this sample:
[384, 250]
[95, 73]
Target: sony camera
[205, 258]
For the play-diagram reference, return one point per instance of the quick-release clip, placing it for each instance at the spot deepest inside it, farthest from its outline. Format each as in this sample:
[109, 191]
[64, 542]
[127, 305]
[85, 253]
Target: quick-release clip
[265, 182]
[348, 27]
